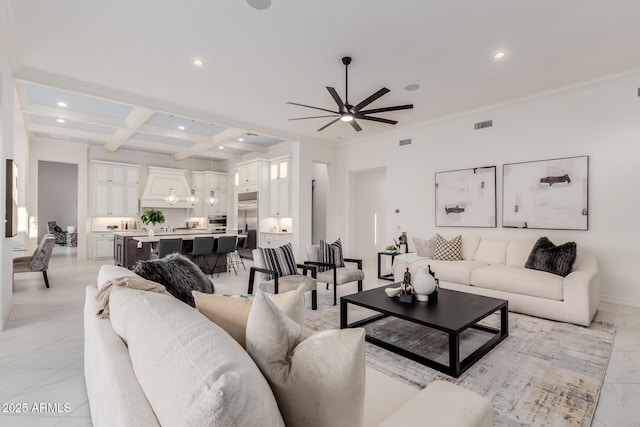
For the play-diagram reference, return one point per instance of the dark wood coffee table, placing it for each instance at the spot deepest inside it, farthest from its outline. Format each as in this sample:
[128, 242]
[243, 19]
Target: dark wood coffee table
[453, 313]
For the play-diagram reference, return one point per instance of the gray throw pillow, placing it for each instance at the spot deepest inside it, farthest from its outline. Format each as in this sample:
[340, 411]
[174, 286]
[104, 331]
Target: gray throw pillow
[178, 274]
[545, 256]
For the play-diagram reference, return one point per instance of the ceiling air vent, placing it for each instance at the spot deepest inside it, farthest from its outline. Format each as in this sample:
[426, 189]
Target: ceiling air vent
[405, 142]
[482, 125]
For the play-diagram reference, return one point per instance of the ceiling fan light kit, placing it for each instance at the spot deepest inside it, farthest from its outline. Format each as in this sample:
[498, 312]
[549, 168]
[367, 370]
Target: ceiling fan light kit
[347, 112]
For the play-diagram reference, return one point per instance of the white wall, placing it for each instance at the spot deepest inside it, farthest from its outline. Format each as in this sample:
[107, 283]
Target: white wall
[6, 152]
[368, 213]
[600, 119]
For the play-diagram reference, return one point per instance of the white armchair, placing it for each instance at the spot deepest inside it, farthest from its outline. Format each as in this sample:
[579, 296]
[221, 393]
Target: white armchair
[279, 283]
[335, 275]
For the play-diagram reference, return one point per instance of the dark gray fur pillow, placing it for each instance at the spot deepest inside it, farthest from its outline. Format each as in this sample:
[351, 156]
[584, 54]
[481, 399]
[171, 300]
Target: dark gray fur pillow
[545, 256]
[178, 274]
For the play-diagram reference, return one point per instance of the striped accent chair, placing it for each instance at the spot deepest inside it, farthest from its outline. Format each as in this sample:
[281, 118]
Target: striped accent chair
[275, 270]
[331, 266]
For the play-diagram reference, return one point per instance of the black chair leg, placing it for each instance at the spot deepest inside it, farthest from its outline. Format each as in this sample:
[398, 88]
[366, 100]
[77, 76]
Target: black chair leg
[335, 294]
[46, 279]
[359, 285]
[314, 299]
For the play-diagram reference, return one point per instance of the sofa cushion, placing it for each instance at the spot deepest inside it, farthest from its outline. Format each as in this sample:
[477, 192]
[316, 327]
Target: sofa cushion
[191, 371]
[343, 275]
[178, 274]
[545, 256]
[491, 251]
[280, 260]
[425, 247]
[451, 271]
[331, 253]
[319, 380]
[448, 250]
[469, 246]
[519, 280]
[518, 251]
[109, 272]
[230, 312]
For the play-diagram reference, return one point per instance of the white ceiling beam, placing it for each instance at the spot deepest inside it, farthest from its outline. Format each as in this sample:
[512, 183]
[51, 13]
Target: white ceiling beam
[66, 132]
[134, 121]
[184, 135]
[218, 139]
[171, 149]
[246, 147]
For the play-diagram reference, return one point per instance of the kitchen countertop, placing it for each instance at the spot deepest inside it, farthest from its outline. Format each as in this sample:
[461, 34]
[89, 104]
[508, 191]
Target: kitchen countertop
[141, 233]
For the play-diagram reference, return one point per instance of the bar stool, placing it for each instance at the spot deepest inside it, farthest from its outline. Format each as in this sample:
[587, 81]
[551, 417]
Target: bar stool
[202, 246]
[226, 246]
[169, 246]
[234, 257]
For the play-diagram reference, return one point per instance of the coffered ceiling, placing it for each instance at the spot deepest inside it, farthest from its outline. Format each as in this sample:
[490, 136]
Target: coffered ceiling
[124, 68]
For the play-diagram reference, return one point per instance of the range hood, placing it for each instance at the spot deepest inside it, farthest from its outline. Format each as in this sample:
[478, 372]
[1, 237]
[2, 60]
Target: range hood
[159, 182]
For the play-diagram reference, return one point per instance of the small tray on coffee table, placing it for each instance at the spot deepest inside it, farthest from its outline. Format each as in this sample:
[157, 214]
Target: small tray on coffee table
[453, 313]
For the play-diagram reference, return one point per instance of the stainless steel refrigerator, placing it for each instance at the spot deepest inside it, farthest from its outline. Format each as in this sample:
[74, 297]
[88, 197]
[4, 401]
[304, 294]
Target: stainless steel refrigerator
[247, 212]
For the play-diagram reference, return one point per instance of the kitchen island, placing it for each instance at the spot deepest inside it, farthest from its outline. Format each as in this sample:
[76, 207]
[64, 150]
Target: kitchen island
[132, 246]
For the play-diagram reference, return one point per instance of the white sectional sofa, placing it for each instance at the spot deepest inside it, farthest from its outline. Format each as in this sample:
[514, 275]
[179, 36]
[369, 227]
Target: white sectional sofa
[159, 373]
[495, 268]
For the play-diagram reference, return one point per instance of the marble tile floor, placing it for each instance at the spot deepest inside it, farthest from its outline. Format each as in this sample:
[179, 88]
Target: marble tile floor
[41, 351]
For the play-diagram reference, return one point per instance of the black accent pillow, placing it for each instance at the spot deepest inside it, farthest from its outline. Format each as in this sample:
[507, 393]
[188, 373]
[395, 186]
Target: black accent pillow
[178, 274]
[545, 256]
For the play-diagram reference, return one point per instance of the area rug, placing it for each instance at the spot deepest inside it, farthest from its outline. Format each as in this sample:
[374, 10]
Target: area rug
[544, 373]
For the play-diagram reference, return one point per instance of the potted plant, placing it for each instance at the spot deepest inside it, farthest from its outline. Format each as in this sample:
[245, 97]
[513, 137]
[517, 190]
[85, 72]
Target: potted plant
[153, 217]
[391, 249]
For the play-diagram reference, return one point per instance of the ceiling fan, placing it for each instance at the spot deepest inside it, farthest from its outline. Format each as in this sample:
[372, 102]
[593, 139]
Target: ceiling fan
[347, 112]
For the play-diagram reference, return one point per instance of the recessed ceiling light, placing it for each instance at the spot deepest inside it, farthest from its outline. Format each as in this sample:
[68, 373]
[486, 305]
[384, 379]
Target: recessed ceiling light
[181, 127]
[259, 4]
[240, 139]
[60, 120]
[412, 86]
[498, 55]
[197, 62]
[221, 147]
[61, 104]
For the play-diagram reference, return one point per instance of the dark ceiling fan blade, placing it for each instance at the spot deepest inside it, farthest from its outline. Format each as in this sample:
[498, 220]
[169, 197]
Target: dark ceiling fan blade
[378, 119]
[314, 117]
[315, 108]
[336, 98]
[328, 124]
[384, 109]
[370, 99]
[355, 125]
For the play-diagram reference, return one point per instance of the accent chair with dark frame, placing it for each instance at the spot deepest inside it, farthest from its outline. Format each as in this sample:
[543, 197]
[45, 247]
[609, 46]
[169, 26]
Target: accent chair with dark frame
[283, 283]
[335, 275]
[39, 261]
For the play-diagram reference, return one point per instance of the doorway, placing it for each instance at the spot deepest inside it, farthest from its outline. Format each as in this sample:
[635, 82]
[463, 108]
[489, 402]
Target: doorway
[319, 190]
[57, 195]
[368, 211]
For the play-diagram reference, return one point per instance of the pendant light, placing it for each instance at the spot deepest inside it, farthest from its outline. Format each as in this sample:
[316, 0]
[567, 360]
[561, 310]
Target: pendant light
[192, 199]
[171, 199]
[212, 200]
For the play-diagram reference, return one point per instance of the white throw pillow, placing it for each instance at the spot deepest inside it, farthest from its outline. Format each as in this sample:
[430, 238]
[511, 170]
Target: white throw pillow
[469, 246]
[231, 312]
[425, 247]
[191, 371]
[491, 251]
[318, 380]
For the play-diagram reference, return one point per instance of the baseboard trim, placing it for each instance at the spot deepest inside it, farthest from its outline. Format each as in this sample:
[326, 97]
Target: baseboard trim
[629, 302]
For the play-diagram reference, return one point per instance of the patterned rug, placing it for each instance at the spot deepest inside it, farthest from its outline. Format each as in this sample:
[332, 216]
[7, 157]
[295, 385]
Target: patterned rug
[544, 373]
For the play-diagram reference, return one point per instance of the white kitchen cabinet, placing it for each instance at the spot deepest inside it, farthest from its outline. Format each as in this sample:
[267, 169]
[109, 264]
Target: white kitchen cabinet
[280, 188]
[103, 245]
[248, 174]
[220, 208]
[115, 189]
[274, 240]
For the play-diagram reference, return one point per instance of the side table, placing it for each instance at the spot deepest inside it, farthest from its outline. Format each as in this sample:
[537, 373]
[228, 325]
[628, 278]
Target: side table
[388, 276]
